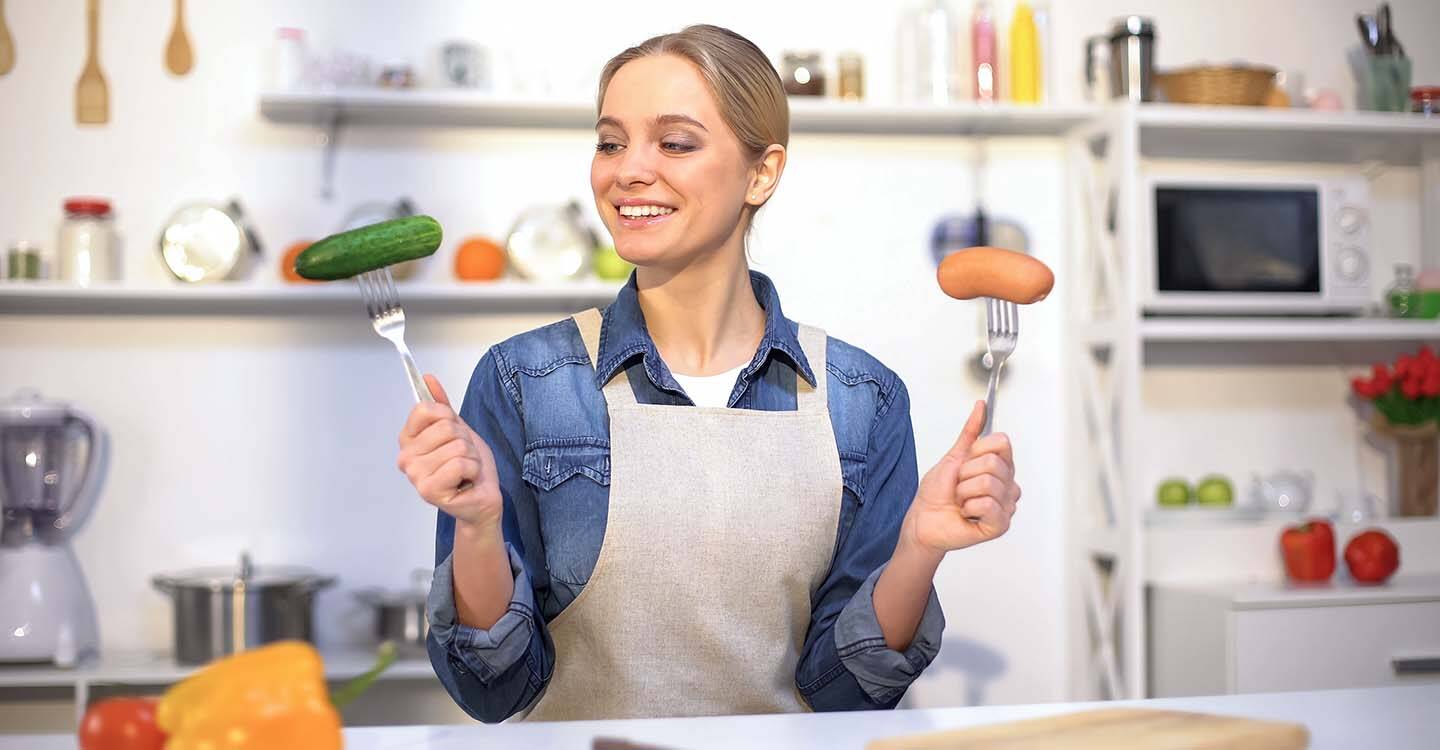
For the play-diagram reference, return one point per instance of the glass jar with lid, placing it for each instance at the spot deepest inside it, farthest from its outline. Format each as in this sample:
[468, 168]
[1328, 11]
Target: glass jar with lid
[802, 75]
[86, 248]
[1425, 100]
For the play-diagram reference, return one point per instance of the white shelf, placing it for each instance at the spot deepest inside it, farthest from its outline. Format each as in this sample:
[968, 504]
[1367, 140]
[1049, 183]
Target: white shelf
[154, 669]
[230, 298]
[457, 108]
[1196, 132]
[1339, 591]
[1195, 330]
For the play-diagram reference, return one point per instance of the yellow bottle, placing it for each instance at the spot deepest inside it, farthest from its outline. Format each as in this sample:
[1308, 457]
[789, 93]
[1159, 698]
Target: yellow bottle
[1024, 56]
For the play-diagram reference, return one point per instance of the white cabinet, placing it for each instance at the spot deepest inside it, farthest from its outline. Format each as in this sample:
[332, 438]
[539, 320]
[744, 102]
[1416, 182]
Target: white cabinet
[1211, 639]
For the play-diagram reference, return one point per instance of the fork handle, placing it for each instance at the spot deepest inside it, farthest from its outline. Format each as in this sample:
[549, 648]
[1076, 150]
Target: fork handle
[990, 397]
[417, 382]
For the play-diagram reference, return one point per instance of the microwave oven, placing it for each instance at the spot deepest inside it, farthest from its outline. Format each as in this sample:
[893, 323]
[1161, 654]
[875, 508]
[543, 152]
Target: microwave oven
[1247, 246]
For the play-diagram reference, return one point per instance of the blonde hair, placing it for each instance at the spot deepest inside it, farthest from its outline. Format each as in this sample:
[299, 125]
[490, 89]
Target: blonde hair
[749, 93]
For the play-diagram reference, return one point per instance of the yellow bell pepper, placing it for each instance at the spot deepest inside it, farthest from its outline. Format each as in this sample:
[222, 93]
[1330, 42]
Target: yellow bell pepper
[269, 698]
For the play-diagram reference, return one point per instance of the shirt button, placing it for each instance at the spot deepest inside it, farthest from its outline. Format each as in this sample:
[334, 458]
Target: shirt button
[549, 464]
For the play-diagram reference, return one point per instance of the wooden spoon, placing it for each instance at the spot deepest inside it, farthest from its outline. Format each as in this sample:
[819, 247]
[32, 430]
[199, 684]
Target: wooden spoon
[7, 45]
[178, 57]
[92, 96]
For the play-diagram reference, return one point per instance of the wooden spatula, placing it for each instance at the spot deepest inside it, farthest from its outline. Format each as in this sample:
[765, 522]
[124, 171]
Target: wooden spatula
[92, 96]
[178, 56]
[7, 45]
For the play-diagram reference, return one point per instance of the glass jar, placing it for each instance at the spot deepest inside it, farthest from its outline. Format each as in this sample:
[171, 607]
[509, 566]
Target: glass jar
[86, 247]
[851, 81]
[1425, 100]
[1402, 296]
[802, 75]
[24, 262]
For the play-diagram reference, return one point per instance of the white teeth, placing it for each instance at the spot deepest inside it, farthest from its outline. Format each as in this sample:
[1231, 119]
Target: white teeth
[637, 211]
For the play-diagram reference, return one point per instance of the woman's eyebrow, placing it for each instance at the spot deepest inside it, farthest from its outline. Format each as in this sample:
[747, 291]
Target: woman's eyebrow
[657, 120]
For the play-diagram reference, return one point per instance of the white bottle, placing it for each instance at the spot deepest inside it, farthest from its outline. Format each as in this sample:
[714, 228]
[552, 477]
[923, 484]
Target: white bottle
[288, 60]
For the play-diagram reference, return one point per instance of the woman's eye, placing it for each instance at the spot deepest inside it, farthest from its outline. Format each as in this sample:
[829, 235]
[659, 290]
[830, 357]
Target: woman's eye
[675, 147]
[607, 148]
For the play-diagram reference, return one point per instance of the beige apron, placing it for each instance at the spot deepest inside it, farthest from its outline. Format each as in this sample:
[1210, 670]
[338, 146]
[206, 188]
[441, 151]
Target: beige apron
[721, 525]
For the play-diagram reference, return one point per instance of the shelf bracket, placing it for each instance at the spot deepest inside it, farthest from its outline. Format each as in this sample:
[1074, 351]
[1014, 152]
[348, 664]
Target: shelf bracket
[330, 142]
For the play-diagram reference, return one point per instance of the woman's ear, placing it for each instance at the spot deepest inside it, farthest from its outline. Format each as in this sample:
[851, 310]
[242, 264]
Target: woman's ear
[766, 175]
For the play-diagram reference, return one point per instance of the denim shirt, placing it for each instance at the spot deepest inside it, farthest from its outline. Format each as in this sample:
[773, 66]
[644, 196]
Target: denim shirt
[536, 401]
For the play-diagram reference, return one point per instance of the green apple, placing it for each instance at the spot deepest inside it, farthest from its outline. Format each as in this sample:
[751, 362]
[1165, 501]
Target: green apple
[1215, 490]
[610, 266]
[1173, 493]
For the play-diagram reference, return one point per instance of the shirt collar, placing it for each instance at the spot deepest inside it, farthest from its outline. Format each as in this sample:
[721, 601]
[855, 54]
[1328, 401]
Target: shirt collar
[623, 336]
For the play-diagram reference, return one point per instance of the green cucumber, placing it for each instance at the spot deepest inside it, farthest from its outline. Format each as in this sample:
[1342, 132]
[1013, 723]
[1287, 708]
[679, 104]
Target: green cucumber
[369, 248]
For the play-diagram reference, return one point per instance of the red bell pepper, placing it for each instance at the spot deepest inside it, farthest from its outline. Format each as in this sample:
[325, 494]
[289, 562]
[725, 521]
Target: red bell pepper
[1372, 556]
[1309, 551]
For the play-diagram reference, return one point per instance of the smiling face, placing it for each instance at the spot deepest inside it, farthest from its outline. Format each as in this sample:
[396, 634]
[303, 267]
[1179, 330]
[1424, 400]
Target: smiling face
[670, 178]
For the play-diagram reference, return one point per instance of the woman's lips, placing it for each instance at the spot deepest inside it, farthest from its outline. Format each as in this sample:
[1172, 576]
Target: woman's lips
[643, 222]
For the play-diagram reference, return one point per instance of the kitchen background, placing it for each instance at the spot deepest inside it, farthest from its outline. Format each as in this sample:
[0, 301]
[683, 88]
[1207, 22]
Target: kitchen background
[272, 431]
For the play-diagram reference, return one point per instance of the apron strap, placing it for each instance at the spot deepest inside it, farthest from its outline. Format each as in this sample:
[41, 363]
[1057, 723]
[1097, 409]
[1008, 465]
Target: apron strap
[812, 342]
[618, 390]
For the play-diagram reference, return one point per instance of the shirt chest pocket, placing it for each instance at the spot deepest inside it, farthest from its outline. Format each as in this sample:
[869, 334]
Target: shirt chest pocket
[571, 481]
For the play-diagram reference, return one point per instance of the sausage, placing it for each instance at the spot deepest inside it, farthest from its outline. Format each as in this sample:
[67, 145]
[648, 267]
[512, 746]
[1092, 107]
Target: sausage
[995, 272]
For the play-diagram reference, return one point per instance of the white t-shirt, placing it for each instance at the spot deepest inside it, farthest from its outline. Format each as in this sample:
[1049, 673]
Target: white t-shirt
[709, 390]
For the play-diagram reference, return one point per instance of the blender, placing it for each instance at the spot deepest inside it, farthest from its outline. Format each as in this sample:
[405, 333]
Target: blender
[52, 462]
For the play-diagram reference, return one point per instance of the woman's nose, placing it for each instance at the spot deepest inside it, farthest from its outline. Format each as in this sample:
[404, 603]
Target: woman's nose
[636, 167]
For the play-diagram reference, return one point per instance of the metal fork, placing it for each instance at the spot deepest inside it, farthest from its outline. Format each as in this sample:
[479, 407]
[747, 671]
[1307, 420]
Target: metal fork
[382, 303]
[1002, 330]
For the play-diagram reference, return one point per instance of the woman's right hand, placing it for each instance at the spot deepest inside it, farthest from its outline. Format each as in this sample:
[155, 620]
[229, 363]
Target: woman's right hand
[439, 453]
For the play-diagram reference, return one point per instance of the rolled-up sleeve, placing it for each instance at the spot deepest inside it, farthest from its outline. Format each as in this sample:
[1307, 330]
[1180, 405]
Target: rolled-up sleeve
[496, 672]
[846, 664]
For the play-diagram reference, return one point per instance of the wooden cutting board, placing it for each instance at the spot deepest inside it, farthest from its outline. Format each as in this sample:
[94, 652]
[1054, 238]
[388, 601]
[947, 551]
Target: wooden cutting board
[1117, 728]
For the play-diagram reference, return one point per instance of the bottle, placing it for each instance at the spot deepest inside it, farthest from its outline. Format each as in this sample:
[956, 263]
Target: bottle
[1024, 56]
[984, 71]
[1402, 295]
[1045, 55]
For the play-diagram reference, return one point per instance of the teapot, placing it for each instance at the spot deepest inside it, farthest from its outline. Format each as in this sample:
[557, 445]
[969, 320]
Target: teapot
[1283, 491]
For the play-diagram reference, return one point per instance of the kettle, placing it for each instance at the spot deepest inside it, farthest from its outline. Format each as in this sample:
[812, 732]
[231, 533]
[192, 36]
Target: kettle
[1283, 491]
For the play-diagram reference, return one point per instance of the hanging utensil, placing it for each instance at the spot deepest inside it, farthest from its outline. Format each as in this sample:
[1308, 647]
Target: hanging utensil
[178, 56]
[1369, 32]
[1382, 18]
[7, 44]
[92, 96]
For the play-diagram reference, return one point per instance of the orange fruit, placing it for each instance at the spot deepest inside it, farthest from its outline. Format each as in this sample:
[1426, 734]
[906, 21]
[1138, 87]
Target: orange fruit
[479, 259]
[287, 263]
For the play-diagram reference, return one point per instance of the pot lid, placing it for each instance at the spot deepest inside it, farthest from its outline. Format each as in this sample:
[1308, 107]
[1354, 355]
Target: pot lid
[28, 407]
[221, 578]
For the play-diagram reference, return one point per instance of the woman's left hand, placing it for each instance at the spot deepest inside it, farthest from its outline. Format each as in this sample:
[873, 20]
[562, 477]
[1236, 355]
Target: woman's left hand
[969, 496]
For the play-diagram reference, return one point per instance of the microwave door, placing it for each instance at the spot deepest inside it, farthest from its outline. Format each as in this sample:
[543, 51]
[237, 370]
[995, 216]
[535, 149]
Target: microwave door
[1236, 250]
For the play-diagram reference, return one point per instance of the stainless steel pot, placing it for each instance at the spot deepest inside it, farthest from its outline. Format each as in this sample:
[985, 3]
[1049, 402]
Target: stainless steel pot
[220, 611]
[400, 615]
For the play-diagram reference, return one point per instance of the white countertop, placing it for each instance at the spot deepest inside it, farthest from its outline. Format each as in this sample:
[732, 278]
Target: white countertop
[1396, 718]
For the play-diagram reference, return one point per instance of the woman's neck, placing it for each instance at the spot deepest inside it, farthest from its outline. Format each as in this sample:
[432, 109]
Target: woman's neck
[704, 318]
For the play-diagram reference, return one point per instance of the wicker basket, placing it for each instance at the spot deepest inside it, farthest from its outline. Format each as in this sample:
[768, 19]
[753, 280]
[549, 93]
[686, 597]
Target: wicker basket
[1236, 85]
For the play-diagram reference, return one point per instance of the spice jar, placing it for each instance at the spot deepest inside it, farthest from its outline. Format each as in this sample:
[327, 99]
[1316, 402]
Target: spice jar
[1425, 100]
[851, 83]
[86, 248]
[802, 75]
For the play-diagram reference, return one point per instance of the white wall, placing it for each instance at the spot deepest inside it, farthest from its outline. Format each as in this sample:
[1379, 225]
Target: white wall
[276, 435]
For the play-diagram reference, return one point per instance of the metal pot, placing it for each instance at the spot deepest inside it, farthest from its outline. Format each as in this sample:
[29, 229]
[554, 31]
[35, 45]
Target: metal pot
[400, 615]
[220, 611]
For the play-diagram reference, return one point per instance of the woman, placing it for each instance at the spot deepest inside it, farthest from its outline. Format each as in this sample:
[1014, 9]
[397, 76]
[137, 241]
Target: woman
[689, 505]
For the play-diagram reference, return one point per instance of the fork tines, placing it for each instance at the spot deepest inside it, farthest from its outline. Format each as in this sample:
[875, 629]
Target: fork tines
[378, 290]
[1002, 317]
